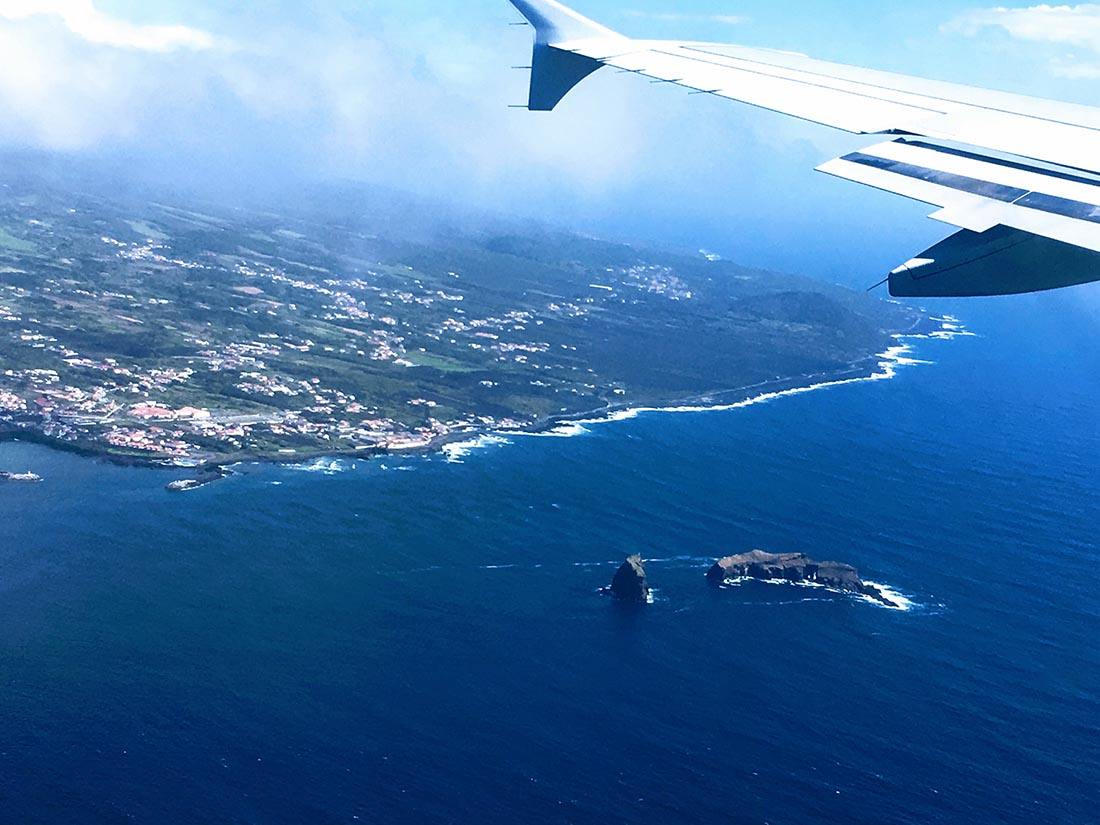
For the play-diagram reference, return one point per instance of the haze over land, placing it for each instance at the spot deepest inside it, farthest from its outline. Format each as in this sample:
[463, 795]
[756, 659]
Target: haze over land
[344, 319]
[414, 95]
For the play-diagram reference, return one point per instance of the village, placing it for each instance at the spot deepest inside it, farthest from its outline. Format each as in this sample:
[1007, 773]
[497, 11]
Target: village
[267, 403]
[155, 333]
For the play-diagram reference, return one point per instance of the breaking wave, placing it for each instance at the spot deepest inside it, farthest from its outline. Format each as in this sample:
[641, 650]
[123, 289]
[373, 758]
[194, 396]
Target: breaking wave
[458, 450]
[890, 362]
[891, 598]
[325, 466]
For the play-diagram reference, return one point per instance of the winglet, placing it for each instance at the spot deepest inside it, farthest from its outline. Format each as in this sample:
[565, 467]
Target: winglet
[555, 23]
[555, 71]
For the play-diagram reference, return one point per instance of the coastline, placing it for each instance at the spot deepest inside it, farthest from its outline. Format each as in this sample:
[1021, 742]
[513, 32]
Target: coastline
[882, 366]
[877, 367]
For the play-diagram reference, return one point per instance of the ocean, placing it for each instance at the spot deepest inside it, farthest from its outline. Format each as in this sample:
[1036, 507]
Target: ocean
[420, 640]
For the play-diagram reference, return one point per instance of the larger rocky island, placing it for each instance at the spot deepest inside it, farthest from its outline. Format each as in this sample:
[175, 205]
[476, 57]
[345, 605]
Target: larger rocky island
[158, 327]
[795, 568]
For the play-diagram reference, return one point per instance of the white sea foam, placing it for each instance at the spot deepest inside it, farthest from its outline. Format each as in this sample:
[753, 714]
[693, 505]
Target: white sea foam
[458, 450]
[692, 560]
[898, 601]
[894, 599]
[950, 327]
[326, 466]
[564, 430]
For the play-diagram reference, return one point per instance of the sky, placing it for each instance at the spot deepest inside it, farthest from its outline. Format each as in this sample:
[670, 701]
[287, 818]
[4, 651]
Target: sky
[415, 95]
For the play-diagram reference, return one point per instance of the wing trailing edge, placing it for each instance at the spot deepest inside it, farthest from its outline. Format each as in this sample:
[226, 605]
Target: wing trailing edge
[999, 261]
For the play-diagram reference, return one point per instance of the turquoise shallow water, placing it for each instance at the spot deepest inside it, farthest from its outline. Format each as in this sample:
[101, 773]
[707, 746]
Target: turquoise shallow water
[420, 640]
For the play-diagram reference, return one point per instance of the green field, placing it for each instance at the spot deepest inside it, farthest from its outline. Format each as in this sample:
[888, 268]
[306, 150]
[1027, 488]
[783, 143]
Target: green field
[13, 244]
[440, 362]
[147, 231]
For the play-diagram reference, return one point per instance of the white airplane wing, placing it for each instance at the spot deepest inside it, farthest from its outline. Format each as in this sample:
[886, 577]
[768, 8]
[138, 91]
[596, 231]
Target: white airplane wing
[1018, 175]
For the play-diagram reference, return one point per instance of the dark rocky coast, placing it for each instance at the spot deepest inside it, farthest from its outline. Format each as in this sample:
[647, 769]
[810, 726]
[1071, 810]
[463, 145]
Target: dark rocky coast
[630, 583]
[796, 568]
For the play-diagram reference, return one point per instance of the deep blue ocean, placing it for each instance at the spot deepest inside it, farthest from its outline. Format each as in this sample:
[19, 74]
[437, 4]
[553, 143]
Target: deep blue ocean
[420, 641]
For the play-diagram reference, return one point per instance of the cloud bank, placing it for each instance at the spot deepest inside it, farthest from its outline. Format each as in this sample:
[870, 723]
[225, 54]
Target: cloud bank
[1077, 27]
[415, 96]
[83, 19]
[413, 100]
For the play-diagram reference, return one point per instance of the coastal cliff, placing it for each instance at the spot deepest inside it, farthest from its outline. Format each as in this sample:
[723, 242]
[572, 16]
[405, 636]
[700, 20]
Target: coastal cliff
[796, 568]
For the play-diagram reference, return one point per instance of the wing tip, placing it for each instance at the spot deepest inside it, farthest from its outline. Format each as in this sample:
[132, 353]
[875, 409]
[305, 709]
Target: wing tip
[556, 23]
[556, 71]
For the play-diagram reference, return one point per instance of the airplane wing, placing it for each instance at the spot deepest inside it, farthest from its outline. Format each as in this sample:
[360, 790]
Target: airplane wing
[1018, 176]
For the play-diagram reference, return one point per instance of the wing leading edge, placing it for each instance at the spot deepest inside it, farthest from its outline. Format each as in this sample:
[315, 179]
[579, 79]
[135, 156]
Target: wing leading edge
[1020, 176]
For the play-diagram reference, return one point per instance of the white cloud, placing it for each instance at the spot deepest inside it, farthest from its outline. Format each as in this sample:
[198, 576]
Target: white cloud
[1076, 27]
[333, 98]
[418, 103]
[83, 19]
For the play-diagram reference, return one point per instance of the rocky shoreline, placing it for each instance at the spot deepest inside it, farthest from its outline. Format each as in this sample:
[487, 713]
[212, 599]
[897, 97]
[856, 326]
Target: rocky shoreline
[793, 568]
[631, 582]
[201, 479]
[221, 464]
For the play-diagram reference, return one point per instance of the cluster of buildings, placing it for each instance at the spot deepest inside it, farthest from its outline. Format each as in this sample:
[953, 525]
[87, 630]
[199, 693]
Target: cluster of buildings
[657, 280]
[152, 440]
[149, 252]
[150, 408]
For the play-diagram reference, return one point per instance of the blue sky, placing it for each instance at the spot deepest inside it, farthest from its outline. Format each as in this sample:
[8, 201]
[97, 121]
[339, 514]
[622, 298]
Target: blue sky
[414, 94]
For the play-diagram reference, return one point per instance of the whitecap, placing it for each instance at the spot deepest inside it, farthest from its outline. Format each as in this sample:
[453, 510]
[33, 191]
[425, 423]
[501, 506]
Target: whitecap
[570, 429]
[326, 466]
[693, 560]
[458, 450]
[895, 600]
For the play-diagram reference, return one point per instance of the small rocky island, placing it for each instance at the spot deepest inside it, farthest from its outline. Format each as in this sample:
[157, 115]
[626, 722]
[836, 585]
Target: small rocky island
[630, 583]
[21, 478]
[796, 568]
[201, 479]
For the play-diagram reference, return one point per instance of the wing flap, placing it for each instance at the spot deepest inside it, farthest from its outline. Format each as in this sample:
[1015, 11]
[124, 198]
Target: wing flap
[1001, 261]
[977, 193]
